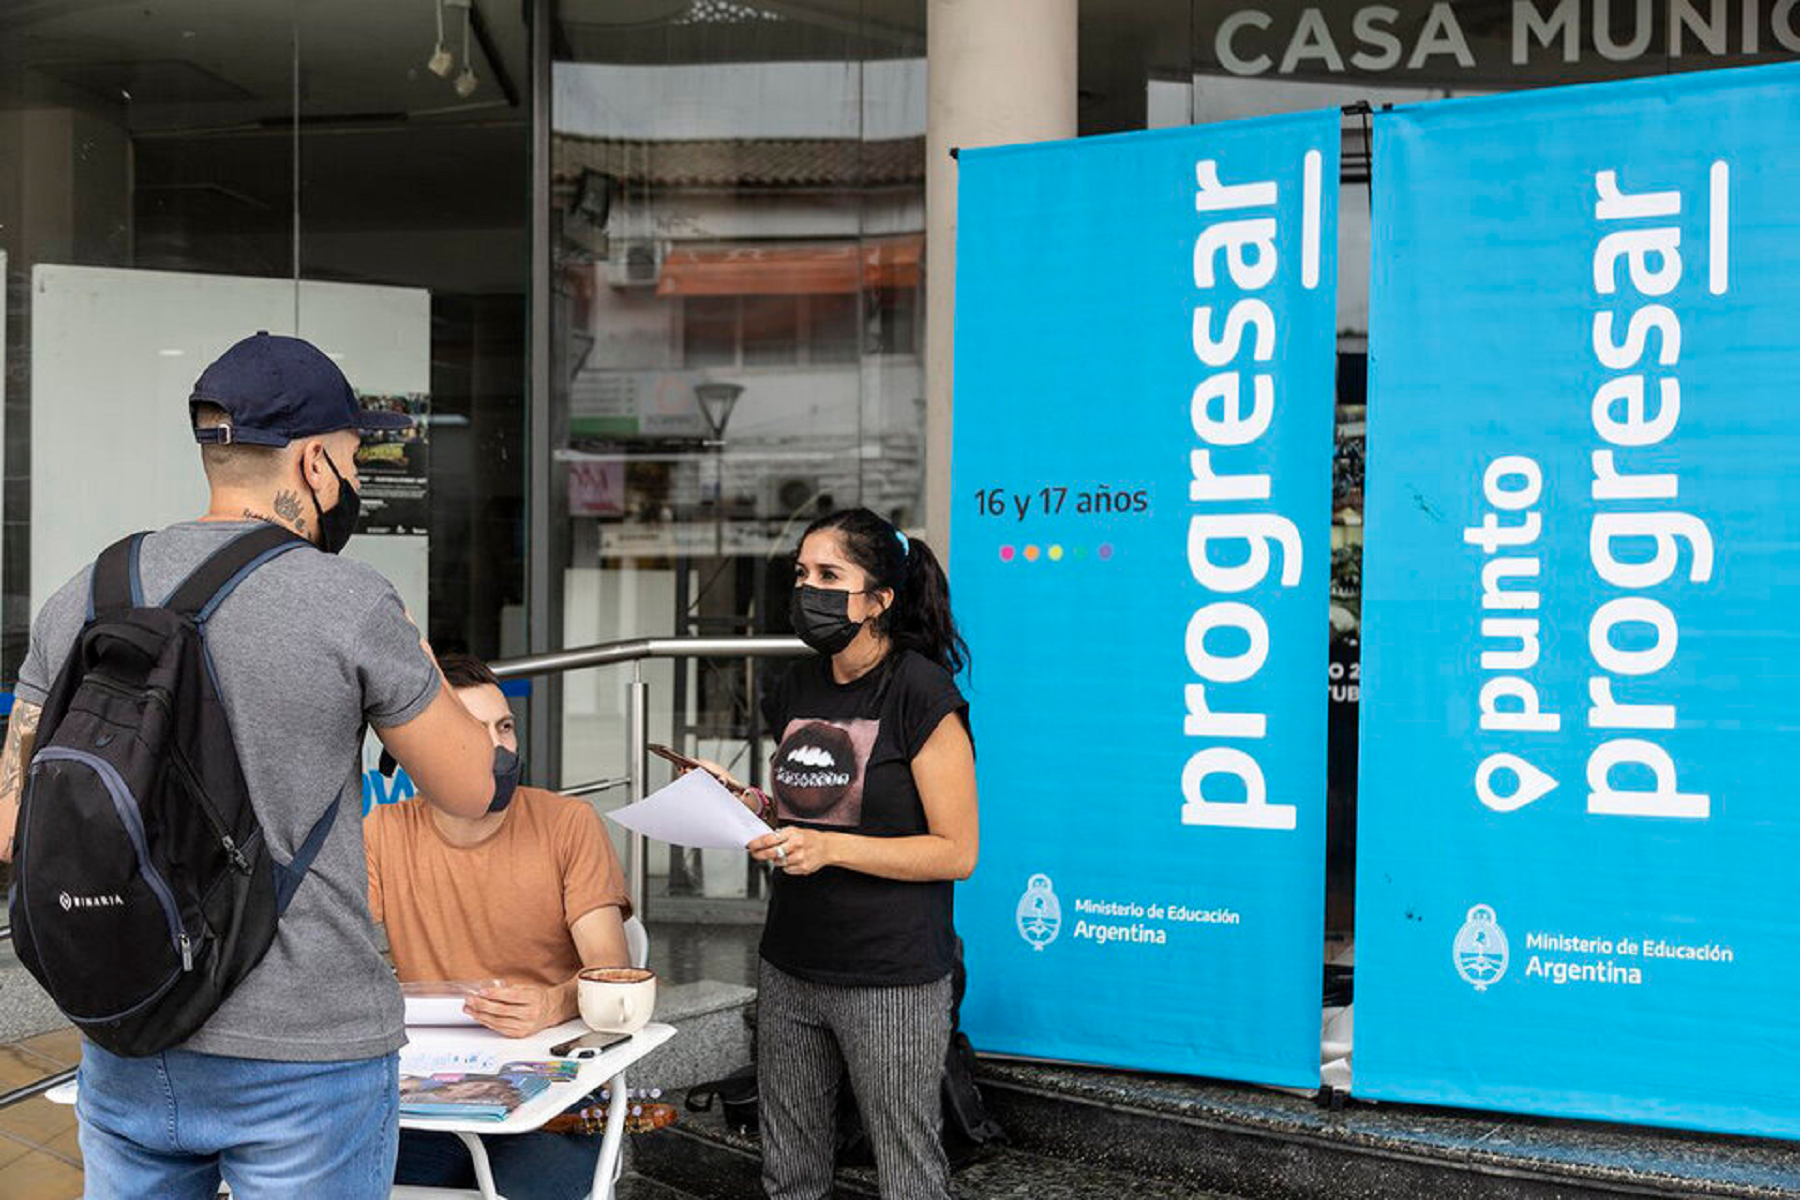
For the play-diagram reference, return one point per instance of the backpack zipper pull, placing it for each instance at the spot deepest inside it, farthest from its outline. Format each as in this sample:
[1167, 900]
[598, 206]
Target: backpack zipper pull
[187, 953]
[237, 856]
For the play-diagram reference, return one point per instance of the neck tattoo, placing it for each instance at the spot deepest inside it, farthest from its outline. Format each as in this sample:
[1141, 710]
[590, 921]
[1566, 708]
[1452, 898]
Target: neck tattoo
[297, 524]
[287, 507]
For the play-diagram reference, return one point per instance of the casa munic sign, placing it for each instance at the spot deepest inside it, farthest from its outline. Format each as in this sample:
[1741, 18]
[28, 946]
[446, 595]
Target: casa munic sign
[1504, 42]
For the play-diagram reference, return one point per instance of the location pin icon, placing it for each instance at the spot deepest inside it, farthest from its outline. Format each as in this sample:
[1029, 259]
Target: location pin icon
[1530, 784]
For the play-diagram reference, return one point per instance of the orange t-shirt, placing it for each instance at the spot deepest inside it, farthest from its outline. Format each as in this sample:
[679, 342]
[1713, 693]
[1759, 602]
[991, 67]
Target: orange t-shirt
[501, 908]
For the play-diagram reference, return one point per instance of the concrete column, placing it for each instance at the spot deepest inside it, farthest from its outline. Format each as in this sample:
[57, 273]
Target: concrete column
[998, 72]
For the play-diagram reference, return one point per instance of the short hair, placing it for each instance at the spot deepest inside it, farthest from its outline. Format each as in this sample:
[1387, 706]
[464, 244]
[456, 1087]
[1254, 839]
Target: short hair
[466, 671]
[235, 464]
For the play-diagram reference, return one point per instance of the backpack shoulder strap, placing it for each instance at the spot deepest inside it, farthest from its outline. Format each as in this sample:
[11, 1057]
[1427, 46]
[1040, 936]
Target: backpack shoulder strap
[201, 593]
[115, 583]
[290, 876]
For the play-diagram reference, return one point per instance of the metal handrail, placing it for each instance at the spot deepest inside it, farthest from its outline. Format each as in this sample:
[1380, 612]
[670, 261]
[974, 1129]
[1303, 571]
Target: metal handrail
[637, 649]
[596, 787]
[637, 732]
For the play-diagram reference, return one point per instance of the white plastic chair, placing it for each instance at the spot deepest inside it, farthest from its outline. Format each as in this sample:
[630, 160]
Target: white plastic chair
[637, 942]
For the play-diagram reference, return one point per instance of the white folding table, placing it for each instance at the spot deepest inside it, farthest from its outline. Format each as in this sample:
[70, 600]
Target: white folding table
[488, 1050]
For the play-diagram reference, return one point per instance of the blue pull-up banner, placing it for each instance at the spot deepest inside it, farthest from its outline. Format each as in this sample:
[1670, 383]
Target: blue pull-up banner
[1145, 348]
[1580, 712]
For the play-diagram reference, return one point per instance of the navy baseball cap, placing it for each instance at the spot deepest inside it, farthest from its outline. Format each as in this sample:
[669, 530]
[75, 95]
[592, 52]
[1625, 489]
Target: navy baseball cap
[276, 389]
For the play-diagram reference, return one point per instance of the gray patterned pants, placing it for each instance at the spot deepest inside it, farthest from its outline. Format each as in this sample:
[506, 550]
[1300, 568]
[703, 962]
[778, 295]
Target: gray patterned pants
[890, 1041]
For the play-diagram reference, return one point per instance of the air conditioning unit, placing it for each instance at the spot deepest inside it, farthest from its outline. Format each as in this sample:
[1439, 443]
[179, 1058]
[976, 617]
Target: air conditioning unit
[792, 495]
[634, 262]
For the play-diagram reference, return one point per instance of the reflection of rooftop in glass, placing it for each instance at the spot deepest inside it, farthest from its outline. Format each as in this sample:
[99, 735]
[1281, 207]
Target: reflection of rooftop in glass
[742, 162]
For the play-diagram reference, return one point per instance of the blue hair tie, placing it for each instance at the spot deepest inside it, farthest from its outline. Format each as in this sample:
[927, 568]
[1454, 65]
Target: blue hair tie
[905, 545]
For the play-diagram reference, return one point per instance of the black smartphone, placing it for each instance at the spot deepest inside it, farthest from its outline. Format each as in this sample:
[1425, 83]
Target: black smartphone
[589, 1045]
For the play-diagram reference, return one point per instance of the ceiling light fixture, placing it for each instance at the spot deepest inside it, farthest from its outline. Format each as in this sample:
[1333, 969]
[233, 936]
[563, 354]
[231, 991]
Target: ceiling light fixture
[441, 61]
[466, 82]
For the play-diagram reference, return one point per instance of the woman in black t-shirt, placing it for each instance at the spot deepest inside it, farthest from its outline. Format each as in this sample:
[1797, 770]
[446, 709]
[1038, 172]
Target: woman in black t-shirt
[873, 794]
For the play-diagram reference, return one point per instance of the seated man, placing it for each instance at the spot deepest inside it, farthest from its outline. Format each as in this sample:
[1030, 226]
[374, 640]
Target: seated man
[531, 895]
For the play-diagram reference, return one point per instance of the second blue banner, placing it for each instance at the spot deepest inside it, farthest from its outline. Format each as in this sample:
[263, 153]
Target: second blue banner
[1579, 716]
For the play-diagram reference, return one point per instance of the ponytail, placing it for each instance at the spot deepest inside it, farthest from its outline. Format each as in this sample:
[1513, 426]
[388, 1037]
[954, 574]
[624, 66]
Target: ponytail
[922, 618]
[919, 619]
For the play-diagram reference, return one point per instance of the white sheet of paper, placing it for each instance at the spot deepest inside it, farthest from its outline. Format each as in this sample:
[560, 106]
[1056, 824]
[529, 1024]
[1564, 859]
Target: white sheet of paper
[430, 1058]
[695, 810]
[437, 1010]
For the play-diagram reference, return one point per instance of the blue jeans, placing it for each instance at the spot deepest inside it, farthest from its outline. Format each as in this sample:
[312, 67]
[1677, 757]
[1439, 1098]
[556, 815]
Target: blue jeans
[172, 1125]
[527, 1166]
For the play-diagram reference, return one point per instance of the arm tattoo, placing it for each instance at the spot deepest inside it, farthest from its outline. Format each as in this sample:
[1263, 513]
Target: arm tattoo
[21, 733]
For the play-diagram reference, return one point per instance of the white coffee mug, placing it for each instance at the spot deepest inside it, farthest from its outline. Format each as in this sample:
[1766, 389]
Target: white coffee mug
[616, 999]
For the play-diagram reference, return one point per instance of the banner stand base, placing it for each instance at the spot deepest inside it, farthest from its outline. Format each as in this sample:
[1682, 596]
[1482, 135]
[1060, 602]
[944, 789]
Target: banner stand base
[1232, 1138]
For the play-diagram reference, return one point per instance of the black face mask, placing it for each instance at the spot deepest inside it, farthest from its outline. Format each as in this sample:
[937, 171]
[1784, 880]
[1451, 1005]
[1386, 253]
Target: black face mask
[336, 526]
[821, 618]
[509, 768]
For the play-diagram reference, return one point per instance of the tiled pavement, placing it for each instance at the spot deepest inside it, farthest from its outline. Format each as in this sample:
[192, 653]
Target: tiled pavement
[39, 1158]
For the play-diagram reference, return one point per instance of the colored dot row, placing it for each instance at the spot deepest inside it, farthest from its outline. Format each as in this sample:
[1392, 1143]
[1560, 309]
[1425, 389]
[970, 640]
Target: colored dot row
[1054, 552]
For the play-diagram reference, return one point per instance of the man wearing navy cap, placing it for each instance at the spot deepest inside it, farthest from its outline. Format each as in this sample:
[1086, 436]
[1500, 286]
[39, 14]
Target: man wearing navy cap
[290, 1087]
[265, 394]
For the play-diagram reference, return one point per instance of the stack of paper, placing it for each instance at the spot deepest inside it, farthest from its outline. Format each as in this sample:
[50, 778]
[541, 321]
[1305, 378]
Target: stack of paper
[469, 1096]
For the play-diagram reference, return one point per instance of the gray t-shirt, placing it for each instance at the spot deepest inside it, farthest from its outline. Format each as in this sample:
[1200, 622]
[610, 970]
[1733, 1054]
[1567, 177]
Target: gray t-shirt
[307, 649]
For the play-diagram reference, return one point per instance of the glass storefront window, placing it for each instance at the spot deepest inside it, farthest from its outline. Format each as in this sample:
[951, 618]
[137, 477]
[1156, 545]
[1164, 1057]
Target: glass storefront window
[175, 176]
[745, 353]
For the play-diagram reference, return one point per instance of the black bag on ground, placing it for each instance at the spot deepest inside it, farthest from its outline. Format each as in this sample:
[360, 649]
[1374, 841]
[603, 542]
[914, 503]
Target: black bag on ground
[968, 1126]
[736, 1095]
[143, 891]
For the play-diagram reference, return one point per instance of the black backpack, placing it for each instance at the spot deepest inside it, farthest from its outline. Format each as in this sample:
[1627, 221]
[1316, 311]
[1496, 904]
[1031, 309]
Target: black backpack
[143, 890]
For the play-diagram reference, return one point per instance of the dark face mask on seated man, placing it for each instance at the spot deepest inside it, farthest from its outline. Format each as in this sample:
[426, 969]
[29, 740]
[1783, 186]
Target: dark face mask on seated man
[509, 770]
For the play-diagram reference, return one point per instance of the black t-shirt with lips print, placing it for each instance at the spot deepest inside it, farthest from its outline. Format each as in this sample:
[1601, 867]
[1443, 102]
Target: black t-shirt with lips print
[844, 762]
